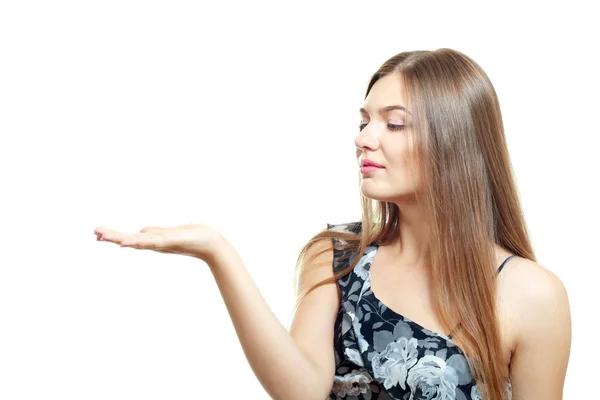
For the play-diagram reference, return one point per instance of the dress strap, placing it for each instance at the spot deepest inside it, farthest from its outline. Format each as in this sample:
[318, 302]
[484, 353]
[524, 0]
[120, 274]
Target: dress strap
[504, 262]
[499, 269]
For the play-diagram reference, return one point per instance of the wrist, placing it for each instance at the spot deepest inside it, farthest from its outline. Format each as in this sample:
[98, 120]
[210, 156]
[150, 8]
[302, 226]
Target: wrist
[221, 249]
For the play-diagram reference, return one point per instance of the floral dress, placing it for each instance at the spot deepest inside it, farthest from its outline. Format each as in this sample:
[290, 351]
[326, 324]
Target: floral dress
[382, 355]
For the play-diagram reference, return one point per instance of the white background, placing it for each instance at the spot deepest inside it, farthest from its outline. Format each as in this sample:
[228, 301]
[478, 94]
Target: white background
[243, 116]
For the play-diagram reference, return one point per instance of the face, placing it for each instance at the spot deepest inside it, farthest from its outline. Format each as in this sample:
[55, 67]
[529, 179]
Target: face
[384, 139]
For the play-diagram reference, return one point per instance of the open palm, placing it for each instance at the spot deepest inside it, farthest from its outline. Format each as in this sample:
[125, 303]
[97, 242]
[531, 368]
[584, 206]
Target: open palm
[194, 240]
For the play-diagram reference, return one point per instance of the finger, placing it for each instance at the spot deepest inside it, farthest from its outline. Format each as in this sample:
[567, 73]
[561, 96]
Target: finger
[135, 239]
[108, 235]
[114, 237]
[117, 237]
[144, 241]
[104, 231]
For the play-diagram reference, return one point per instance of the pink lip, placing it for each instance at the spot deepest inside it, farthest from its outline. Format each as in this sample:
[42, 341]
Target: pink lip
[368, 163]
[368, 168]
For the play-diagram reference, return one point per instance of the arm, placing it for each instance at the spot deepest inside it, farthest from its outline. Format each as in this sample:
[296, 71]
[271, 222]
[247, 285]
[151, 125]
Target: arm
[290, 365]
[539, 363]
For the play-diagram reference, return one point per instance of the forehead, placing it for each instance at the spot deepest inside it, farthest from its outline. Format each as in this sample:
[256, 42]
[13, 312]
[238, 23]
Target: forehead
[386, 91]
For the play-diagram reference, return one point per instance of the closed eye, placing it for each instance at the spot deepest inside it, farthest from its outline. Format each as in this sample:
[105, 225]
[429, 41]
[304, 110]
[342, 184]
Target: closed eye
[391, 127]
[395, 127]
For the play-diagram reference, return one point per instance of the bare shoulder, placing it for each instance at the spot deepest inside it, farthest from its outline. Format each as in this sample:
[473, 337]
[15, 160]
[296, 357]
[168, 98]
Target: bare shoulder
[535, 302]
[529, 288]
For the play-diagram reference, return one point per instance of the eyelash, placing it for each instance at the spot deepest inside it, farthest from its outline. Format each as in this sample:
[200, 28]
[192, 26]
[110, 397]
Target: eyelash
[390, 126]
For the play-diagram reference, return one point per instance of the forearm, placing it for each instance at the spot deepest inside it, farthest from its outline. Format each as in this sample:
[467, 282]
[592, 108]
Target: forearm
[277, 361]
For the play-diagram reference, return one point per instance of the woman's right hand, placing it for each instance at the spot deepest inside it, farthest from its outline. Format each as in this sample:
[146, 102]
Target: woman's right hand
[194, 240]
[290, 365]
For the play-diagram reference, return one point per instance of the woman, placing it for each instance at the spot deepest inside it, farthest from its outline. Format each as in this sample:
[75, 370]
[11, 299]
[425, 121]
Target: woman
[446, 220]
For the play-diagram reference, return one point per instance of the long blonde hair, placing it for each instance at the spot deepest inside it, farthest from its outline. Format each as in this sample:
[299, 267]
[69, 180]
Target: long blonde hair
[468, 194]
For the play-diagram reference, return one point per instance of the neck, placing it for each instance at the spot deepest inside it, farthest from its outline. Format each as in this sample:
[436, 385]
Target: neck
[411, 248]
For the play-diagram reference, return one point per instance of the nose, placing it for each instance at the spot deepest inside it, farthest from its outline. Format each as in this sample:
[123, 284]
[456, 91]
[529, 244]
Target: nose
[366, 139]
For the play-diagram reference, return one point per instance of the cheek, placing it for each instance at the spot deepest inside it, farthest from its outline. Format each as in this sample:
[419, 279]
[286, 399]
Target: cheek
[397, 150]
[397, 154]
[399, 162]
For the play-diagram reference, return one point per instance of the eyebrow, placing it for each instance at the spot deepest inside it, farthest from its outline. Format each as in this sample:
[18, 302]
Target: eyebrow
[386, 109]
